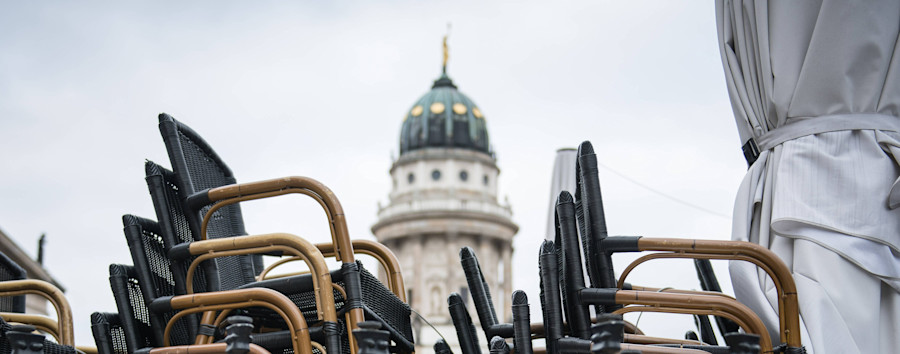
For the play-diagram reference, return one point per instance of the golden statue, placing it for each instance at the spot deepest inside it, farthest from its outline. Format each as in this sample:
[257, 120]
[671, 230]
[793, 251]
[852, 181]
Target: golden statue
[446, 49]
[446, 54]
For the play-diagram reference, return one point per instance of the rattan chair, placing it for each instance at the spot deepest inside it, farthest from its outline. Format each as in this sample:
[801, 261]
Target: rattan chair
[159, 283]
[600, 247]
[551, 329]
[552, 279]
[61, 328]
[9, 270]
[210, 198]
[109, 335]
[577, 297]
[21, 340]
[153, 274]
[176, 235]
[134, 317]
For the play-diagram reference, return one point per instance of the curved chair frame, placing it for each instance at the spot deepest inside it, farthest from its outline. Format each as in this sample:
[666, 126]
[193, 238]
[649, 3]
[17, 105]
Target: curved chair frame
[376, 250]
[232, 299]
[55, 296]
[343, 247]
[41, 323]
[216, 348]
[788, 306]
[256, 244]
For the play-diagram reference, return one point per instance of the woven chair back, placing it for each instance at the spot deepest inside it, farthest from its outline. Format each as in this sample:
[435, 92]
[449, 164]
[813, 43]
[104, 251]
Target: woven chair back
[197, 167]
[9, 270]
[109, 335]
[155, 278]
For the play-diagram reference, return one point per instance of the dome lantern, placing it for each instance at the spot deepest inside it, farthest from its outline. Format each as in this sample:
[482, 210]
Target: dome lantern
[444, 118]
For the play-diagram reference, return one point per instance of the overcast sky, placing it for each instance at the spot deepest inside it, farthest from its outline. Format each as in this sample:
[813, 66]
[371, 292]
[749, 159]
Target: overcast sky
[320, 88]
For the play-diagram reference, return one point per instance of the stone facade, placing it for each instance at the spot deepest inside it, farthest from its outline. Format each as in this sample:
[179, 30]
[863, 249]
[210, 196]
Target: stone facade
[442, 200]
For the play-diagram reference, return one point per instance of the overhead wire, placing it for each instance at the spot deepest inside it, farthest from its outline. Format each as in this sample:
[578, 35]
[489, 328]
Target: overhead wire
[663, 194]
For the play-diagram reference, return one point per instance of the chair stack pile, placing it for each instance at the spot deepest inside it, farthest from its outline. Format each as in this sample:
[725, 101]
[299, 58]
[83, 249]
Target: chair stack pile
[198, 282]
[586, 317]
[25, 333]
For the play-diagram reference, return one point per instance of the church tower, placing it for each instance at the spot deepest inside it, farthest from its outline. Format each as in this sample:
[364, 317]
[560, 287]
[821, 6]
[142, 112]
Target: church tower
[444, 197]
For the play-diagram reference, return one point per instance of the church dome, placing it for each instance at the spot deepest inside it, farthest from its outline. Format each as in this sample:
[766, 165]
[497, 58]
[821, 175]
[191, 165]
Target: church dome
[444, 118]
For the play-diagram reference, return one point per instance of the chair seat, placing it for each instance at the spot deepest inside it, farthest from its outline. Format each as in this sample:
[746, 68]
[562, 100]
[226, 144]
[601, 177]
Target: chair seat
[379, 304]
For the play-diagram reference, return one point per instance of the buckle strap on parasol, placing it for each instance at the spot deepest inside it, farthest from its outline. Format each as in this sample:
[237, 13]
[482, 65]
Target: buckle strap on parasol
[799, 127]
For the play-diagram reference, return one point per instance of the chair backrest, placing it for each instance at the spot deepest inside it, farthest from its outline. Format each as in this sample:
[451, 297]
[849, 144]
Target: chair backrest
[591, 218]
[551, 305]
[174, 230]
[109, 336]
[577, 315]
[197, 167]
[9, 270]
[134, 316]
[155, 276]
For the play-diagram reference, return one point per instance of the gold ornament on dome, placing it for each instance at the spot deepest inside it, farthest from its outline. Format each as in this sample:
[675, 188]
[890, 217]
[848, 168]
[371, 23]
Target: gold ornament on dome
[416, 111]
[437, 108]
[459, 108]
[477, 112]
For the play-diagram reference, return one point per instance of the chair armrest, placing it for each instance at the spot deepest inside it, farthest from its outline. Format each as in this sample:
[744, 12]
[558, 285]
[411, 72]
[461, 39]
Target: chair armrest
[680, 303]
[340, 235]
[788, 306]
[236, 193]
[380, 252]
[291, 244]
[53, 295]
[215, 348]
[240, 298]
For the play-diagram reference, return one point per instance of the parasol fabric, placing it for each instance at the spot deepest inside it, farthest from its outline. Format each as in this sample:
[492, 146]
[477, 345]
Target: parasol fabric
[815, 89]
[563, 179]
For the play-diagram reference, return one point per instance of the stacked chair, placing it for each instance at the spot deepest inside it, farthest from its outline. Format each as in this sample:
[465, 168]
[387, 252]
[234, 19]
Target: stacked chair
[566, 299]
[21, 332]
[198, 282]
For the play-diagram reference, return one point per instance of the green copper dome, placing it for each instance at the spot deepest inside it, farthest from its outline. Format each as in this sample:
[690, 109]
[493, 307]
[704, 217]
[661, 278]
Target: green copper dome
[444, 117]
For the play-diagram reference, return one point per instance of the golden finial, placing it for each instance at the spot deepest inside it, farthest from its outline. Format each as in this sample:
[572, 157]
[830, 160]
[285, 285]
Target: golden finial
[446, 49]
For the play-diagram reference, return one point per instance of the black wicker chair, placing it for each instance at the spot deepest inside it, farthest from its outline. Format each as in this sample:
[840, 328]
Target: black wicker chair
[577, 297]
[154, 275]
[599, 247]
[22, 336]
[198, 169]
[9, 270]
[152, 281]
[109, 335]
[134, 317]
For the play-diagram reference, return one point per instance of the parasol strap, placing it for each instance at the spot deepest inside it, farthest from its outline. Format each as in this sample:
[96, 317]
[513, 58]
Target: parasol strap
[799, 127]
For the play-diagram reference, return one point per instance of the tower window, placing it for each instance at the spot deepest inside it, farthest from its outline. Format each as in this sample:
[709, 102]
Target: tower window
[410, 178]
[486, 180]
[436, 175]
[463, 175]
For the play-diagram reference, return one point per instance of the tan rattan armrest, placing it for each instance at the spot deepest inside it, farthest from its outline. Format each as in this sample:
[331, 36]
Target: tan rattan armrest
[53, 295]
